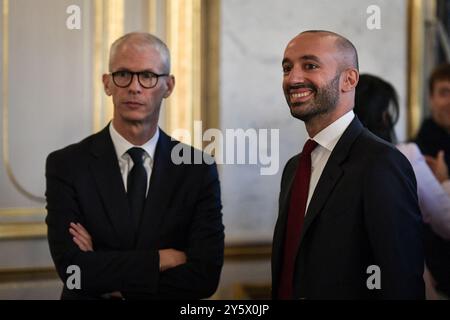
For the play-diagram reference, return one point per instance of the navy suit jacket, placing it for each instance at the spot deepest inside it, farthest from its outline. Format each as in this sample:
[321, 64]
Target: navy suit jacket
[182, 211]
[363, 212]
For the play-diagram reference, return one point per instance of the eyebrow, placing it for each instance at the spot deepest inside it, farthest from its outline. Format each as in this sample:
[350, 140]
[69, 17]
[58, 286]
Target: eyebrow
[305, 57]
[311, 57]
[126, 69]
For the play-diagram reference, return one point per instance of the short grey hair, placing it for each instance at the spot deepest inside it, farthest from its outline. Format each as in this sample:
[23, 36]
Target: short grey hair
[144, 39]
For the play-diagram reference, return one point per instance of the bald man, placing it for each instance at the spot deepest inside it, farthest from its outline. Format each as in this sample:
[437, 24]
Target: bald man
[349, 225]
[134, 223]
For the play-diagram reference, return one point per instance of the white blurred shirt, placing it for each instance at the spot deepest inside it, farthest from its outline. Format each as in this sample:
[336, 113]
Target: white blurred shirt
[434, 198]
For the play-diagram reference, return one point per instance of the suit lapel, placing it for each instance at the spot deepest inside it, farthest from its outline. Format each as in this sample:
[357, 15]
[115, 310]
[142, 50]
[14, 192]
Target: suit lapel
[162, 182]
[279, 233]
[331, 173]
[106, 171]
[330, 176]
[286, 196]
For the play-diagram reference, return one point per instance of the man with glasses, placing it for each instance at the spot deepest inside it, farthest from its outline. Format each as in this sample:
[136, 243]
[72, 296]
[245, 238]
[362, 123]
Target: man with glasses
[134, 223]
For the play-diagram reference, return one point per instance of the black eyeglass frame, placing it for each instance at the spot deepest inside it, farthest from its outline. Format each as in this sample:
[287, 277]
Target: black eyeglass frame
[138, 74]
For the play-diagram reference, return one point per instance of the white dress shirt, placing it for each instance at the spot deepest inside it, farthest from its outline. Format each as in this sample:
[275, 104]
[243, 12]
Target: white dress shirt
[434, 199]
[121, 145]
[327, 140]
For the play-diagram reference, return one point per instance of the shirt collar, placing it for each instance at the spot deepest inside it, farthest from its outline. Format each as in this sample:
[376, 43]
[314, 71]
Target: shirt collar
[121, 145]
[329, 136]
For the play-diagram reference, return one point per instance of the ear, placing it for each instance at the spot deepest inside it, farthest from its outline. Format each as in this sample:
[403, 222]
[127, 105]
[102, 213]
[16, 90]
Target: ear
[350, 79]
[170, 84]
[107, 84]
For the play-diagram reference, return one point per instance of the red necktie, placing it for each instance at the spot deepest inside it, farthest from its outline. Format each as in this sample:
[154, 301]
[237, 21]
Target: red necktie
[297, 208]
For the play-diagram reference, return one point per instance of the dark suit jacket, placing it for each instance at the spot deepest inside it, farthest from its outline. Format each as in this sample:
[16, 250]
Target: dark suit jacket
[182, 211]
[363, 212]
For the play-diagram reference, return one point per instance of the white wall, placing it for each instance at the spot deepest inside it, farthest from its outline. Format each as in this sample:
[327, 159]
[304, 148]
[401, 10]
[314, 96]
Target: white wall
[45, 95]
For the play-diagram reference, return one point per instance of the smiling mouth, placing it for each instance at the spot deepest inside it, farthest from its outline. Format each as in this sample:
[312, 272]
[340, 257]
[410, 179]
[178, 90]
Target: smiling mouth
[300, 97]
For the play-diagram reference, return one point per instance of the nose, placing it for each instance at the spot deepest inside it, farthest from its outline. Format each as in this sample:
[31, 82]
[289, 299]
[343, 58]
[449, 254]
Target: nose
[135, 86]
[295, 75]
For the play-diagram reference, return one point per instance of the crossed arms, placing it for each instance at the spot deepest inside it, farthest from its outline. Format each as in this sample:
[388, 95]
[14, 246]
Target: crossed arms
[191, 272]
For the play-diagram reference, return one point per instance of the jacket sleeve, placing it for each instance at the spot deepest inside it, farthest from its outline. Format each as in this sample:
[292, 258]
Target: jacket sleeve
[199, 277]
[393, 220]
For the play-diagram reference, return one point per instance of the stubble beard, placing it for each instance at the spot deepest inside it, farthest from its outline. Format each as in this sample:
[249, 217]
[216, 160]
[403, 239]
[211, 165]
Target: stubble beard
[325, 101]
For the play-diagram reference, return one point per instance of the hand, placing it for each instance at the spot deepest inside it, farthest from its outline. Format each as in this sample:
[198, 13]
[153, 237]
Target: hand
[113, 295]
[116, 295]
[81, 237]
[170, 258]
[438, 166]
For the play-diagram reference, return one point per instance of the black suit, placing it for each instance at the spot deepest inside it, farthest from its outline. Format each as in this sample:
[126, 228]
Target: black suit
[363, 212]
[182, 211]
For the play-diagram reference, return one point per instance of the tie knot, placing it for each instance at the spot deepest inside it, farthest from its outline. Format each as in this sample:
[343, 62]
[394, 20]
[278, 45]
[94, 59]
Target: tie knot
[136, 154]
[309, 147]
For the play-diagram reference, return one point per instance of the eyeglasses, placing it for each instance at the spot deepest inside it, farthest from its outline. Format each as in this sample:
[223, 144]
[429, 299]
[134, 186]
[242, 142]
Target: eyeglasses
[147, 79]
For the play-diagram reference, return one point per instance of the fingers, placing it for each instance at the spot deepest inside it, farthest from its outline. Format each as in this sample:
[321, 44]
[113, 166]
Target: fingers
[81, 230]
[81, 237]
[438, 166]
[440, 157]
[431, 162]
[182, 257]
[116, 294]
[170, 258]
[430, 159]
[80, 245]
[178, 257]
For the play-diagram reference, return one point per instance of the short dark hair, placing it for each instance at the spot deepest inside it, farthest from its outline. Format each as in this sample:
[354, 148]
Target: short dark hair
[376, 105]
[343, 44]
[440, 73]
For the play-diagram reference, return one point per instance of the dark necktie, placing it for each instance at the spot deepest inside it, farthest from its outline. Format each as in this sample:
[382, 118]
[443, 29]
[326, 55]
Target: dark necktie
[136, 185]
[296, 214]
